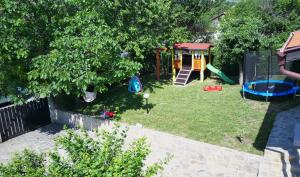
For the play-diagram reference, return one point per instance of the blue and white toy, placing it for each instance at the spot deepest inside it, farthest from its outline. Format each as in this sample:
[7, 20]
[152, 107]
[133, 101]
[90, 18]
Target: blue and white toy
[135, 85]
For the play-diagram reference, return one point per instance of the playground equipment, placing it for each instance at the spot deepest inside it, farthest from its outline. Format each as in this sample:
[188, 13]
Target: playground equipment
[263, 78]
[212, 88]
[189, 57]
[135, 85]
[219, 73]
[289, 52]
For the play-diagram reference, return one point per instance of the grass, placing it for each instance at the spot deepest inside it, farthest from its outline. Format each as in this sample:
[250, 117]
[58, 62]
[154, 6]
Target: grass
[222, 118]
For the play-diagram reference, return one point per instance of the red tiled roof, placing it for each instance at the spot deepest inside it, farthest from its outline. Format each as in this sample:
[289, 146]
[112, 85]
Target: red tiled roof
[293, 42]
[193, 46]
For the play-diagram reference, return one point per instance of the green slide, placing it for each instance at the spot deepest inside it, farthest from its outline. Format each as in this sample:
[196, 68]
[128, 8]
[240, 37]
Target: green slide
[219, 73]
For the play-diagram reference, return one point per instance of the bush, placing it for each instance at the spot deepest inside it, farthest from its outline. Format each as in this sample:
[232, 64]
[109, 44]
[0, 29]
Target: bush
[80, 154]
[27, 163]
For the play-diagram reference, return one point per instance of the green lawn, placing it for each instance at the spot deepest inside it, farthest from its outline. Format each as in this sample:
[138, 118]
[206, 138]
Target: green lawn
[221, 118]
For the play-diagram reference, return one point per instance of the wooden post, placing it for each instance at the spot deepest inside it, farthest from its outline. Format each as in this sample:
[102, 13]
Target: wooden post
[193, 53]
[173, 67]
[180, 58]
[202, 67]
[209, 61]
[158, 64]
[209, 56]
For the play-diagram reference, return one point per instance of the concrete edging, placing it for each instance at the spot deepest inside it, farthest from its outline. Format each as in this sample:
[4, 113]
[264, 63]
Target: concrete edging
[75, 119]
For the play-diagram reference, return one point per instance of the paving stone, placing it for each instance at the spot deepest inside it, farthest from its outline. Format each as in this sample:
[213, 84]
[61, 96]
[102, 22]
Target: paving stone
[297, 135]
[281, 157]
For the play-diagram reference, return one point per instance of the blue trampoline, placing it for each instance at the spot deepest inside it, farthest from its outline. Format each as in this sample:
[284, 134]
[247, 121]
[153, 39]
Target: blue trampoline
[270, 88]
[263, 78]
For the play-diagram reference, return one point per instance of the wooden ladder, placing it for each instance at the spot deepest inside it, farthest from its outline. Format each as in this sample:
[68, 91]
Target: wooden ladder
[183, 76]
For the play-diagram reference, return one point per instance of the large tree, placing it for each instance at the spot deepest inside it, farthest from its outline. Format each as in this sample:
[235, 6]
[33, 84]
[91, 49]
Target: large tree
[90, 38]
[24, 34]
[238, 35]
[54, 47]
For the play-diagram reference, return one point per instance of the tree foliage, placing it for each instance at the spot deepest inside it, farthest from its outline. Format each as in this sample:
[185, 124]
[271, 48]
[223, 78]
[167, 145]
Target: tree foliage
[79, 154]
[84, 53]
[281, 17]
[53, 47]
[27, 163]
[198, 14]
[251, 25]
[24, 35]
[238, 35]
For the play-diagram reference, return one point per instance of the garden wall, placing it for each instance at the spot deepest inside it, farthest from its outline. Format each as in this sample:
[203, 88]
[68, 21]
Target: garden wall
[72, 119]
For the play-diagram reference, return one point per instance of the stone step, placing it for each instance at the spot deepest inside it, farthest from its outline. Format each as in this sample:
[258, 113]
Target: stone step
[180, 80]
[184, 72]
[177, 83]
[273, 169]
[297, 135]
[278, 155]
[183, 76]
[186, 68]
[281, 163]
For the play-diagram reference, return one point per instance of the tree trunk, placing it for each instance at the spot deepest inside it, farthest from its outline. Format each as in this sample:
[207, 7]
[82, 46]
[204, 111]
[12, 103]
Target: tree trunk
[241, 74]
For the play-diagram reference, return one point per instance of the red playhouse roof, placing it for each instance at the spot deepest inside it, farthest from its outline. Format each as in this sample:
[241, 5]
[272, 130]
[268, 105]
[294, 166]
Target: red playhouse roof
[293, 43]
[193, 46]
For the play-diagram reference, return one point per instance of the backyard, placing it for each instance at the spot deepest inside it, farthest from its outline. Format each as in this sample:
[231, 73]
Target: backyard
[222, 118]
[106, 60]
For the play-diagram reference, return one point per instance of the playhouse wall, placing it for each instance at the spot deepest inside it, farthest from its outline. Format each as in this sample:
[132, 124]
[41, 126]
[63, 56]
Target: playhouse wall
[197, 64]
[177, 64]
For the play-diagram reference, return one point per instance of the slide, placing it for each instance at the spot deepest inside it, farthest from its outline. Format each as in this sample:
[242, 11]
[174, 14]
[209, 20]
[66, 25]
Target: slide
[219, 73]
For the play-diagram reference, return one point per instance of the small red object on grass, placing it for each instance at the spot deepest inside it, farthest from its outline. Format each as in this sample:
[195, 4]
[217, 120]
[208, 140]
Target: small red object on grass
[110, 114]
[210, 88]
[107, 114]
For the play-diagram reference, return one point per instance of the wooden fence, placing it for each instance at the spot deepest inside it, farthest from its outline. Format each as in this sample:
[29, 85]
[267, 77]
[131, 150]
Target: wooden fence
[19, 119]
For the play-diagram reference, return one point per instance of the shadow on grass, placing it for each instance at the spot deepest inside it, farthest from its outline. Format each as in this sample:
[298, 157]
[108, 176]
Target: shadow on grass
[117, 99]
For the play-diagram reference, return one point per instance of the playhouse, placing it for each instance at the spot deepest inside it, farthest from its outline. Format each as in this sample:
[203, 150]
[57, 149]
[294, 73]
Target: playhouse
[189, 57]
[186, 58]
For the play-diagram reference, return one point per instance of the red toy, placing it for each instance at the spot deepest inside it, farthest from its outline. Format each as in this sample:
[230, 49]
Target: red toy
[212, 88]
[107, 114]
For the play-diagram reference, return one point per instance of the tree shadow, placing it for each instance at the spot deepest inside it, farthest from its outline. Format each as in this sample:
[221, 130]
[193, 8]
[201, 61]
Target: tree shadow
[51, 129]
[117, 99]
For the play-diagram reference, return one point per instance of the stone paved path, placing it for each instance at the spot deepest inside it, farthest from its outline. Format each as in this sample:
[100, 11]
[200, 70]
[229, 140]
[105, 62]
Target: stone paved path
[191, 158]
[39, 140]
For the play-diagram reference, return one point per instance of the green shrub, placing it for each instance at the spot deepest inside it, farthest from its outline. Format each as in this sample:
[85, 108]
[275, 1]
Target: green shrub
[80, 154]
[27, 163]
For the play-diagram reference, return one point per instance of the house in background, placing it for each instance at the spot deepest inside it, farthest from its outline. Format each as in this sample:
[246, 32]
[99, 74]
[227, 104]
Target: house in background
[211, 34]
